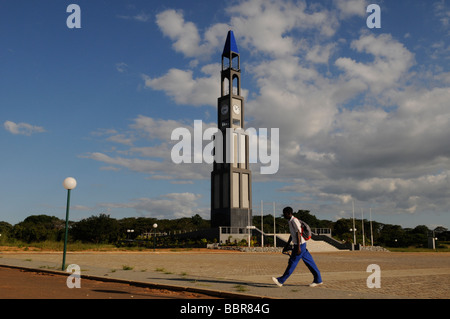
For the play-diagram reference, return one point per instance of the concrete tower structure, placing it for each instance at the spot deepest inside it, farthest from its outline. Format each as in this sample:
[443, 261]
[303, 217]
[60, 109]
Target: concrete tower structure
[231, 191]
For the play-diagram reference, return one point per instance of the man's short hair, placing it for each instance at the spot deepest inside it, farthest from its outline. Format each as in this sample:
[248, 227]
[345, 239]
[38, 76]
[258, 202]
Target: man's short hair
[288, 210]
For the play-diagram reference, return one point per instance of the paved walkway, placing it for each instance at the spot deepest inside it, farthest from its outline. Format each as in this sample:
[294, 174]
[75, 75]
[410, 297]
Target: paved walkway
[403, 275]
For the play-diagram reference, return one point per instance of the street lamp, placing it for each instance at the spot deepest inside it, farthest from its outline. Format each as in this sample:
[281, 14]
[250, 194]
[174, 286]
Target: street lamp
[155, 225]
[354, 237]
[353, 230]
[69, 184]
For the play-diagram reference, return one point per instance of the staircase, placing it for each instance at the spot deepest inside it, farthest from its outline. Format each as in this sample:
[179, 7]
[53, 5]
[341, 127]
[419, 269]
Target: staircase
[317, 243]
[313, 245]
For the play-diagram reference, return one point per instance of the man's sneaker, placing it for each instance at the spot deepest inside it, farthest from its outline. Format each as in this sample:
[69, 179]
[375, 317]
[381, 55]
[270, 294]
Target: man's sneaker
[275, 280]
[315, 284]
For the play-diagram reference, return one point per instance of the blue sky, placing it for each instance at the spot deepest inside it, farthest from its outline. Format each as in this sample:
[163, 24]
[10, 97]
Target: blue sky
[363, 113]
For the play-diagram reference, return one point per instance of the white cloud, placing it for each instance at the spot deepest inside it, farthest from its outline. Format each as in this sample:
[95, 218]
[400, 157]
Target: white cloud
[389, 67]
[22, 128]
[183, 88]
[300, 94]
[186, 37]
[267, 26]
[154, 161]
[348, 8]
[442, 12]
[184, 34]
[169, 206]
[320, 54]
[141, 17]
[121, 67]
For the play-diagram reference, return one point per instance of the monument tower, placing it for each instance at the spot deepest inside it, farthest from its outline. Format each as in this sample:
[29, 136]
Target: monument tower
[231, 191]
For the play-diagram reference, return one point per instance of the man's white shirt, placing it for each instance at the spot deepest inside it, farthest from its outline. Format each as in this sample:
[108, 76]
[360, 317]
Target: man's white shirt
[294, 227]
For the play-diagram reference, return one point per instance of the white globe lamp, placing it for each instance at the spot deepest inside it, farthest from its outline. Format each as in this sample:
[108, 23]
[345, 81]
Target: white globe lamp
[70, 183]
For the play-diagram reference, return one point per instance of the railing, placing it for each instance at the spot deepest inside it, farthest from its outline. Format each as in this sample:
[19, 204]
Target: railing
[321, 231]
[321, 234]
[244, 230]
[233, 230]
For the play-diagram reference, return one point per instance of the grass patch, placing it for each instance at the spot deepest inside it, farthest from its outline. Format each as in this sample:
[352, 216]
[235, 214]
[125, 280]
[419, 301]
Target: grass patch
[48, 267]
[126, 267]
[180, 249]
[163, 270]
[440, 249]
[51, 245]
[241, 288]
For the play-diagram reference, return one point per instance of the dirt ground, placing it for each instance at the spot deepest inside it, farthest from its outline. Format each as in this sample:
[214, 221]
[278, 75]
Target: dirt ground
[21, 284]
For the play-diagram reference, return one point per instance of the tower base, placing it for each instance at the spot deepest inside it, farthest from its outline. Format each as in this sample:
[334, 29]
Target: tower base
[234, 217]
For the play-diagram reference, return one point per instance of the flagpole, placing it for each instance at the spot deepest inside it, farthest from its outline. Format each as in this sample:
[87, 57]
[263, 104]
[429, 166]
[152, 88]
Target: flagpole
[262, 230]
[354, 234]
[274, 228]
[371, 232]
[362, 225]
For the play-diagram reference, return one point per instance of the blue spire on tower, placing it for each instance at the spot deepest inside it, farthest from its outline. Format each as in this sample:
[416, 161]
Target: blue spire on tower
[230, 44]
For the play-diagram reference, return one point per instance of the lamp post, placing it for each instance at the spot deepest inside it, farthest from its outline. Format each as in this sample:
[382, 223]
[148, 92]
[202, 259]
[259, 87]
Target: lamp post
[129, 231]
[353, 230]
[69, 184]
[155, 225]
[354, 239]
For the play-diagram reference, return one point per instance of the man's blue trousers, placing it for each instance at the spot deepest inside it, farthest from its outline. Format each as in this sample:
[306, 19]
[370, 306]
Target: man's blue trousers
[307, 259]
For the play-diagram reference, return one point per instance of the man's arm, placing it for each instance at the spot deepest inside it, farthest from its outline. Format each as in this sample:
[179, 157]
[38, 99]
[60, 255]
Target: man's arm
[288, 244]
[299, 250]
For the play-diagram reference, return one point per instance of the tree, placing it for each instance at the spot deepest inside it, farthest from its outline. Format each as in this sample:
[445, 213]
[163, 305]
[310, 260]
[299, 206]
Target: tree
[393, 236]
[37, 228]
[305, 216]
[440, 229]
[197, 220]
[96, 229]
[341, 229]
[5, 230]
[421, 229]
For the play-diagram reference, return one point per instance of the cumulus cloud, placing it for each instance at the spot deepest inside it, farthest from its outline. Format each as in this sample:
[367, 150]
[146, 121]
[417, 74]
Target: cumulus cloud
[320, 53]
[153, 161]
[141, 17]
[183, 88]
[391, 61]
[348, 8]
[442, 12]
[356, 121]
[169, 206]
[185, 35]
[22, 128]
[121, 67]
[269, 26]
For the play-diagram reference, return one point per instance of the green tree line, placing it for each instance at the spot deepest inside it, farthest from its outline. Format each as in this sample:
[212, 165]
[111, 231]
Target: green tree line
[103, 229]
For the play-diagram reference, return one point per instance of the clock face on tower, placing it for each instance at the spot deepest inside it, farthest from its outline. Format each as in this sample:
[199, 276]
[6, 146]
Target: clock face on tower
[236, 109]
[224, 109]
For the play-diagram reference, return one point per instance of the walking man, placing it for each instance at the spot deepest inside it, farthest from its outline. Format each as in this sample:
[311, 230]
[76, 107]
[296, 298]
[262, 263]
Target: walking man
[299, 251]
